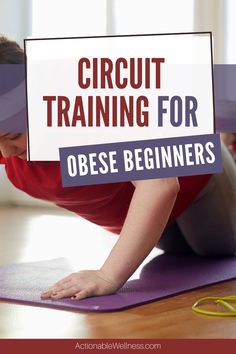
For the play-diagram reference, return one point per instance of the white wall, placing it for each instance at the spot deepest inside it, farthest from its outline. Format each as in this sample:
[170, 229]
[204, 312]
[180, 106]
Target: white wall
[15, 18]
[211, 15]
[4, 187]
[65, 18]
[10, 195]
[151, 16]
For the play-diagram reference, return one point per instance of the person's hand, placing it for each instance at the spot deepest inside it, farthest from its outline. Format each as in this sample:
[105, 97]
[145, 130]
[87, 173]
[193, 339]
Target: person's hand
[80, 285]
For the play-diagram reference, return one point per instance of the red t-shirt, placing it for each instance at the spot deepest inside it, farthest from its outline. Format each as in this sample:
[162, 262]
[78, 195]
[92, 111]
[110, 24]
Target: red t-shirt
[103, 204]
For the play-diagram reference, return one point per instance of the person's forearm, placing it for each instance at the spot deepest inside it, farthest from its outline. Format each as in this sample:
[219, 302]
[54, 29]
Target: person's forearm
[147, 216]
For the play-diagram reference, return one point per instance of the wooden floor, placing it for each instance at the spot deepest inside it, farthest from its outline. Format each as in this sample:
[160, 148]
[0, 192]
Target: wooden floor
[28, 234]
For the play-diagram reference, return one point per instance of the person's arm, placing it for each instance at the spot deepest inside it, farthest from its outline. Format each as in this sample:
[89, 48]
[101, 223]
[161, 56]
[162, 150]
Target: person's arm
[147, 216]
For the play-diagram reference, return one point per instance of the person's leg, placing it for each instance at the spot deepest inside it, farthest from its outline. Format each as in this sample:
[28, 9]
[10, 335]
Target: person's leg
[172, 241]
[209, 223]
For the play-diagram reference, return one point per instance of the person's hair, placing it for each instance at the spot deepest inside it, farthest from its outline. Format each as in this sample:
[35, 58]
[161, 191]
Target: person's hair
[10, 51]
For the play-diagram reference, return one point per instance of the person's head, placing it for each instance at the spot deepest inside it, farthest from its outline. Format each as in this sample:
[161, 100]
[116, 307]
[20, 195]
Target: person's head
[12, 144]
[10, 52]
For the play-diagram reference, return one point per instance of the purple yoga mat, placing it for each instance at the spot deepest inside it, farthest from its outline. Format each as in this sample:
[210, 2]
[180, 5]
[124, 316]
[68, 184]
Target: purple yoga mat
[163, 276]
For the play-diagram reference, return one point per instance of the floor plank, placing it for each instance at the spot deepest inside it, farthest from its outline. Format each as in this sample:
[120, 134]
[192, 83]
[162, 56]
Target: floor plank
[30, 234]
